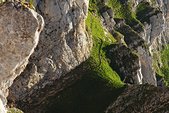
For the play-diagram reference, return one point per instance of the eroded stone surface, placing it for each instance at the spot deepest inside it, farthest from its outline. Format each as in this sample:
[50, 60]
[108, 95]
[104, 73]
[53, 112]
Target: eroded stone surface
[141, 99]
[19, 34]
[63, 45]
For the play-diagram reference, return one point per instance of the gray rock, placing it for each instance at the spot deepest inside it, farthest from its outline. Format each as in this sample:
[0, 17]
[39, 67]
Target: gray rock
[125, 63]
[141, 99]
[19, 34]
[137, 43]
[63, 45]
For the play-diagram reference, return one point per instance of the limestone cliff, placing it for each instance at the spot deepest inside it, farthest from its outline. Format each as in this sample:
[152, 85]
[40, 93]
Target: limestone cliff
[141, 99]
[63, 45]
[86, 52]
[144, 34]
[19, 34]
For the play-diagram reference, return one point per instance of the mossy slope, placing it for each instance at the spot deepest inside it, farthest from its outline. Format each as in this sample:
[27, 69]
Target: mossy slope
[14, 110]
[101, 38]
[164, 70]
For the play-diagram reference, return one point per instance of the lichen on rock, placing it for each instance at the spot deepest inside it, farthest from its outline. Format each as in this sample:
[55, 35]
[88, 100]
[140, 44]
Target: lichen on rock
[19, 34]
[101, 43]
[63, 45]
[141, 98]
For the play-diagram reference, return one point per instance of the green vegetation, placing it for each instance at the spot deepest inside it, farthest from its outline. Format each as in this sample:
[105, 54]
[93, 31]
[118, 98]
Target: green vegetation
[144, 11]
[99, 85]
[165, 66]
[98, 33]
[123, 11]
[90, 94]
[156, 65]
[25, 3]
[14, 110]
[162, 70]
[153, 2]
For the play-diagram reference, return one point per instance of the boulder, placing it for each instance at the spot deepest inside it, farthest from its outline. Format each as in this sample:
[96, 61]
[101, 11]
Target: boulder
[141, 99]
[125, 63]
[19, 34]
[63, 45]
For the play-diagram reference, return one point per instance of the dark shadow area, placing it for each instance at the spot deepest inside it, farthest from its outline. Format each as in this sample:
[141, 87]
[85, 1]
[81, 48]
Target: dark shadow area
[88, 95]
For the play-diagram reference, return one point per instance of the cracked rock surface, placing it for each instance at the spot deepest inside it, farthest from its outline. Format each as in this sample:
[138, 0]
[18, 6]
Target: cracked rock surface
[19, 34]
[63, 45]
[141, 99]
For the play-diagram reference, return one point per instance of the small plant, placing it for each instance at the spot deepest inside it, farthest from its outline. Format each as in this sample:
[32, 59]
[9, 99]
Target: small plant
[14, 110]
[26, 3]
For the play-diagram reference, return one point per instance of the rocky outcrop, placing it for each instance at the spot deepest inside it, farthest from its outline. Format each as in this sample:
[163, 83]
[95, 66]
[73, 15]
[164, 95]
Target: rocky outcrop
[63, 45]
[154, 24]
[164, 6]
[19, 34]
[125, 63]
[2, 106]
[137, 44]
[133, 36]
[143, 98]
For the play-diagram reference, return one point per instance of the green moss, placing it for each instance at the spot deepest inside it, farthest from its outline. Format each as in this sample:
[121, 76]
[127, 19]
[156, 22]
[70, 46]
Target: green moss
[99, 85]
[144, 11]
[120, 10]
[162, 57]
[156, 65]
[124, 11]
[153, 2]
[101, 37]
[116, 6]
[90, 94]
[165, 66]
[14, 110]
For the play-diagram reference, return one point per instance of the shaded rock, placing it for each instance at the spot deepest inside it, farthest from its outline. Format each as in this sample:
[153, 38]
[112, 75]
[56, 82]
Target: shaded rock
[90, 93]
[156, 30]
[132, 38]
[107, 15]
[63, 45]
[141, 99]
[125, 63]
[164, 6]
[160, 81]
[152, 19]
[19, 34]
[137, 44]
[147, 69]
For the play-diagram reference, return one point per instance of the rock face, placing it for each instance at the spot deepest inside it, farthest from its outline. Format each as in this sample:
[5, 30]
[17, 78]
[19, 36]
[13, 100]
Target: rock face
[141, 99]
[2, 110]
[63, 45]
[125, 63]
[19, 34]
[134, 35]
[147, 40]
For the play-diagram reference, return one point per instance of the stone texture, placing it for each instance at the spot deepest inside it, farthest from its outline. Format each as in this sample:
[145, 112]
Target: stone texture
[155, 32]
[63, 45]
[3, 109]
[19, 34]
[137, 44]
[136, 38]
[125, 63]
[141, 99]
